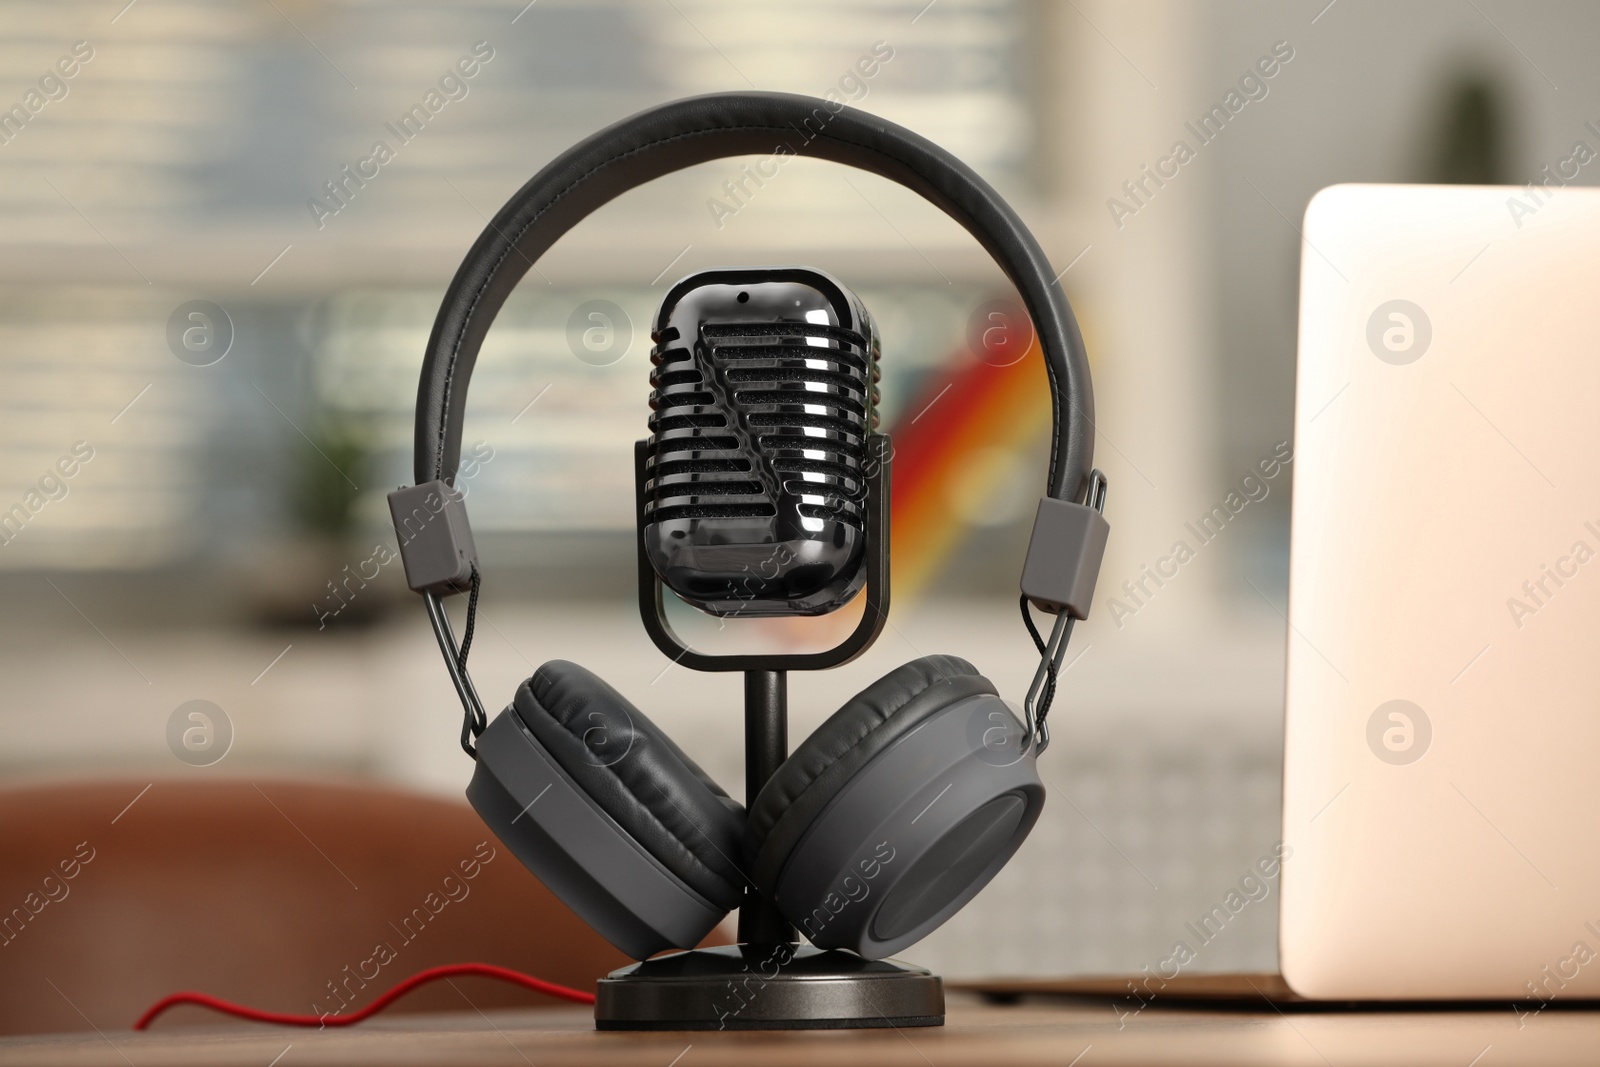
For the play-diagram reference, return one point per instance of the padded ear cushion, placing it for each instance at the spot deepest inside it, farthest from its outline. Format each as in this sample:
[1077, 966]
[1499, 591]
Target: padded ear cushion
[868, 723]
[637, 775]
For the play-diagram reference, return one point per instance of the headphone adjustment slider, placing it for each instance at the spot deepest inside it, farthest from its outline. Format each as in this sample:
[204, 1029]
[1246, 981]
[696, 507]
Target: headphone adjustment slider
[1064, 553]
[436, 547]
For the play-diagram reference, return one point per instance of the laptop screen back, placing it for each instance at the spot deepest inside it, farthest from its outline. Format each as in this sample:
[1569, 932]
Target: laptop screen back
[1442, 738]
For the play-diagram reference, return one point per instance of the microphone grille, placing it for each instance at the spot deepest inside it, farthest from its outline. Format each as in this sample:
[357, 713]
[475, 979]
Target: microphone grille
[752, 420]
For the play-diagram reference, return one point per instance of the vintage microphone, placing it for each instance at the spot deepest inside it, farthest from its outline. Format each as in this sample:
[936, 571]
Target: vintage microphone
[764, 391]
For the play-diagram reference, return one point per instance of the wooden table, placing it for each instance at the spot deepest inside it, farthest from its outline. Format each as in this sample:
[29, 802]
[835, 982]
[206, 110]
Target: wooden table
[1037, 1030]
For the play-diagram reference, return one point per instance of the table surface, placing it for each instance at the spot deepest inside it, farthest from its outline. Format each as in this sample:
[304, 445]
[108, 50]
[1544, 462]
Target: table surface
[1056, 1031]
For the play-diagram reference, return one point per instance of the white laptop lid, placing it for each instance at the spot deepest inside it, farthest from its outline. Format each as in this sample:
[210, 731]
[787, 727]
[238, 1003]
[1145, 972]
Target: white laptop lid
[1442, 738]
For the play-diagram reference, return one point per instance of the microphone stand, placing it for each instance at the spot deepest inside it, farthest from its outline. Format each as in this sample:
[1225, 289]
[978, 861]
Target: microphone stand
[768, 981]
[766, 745]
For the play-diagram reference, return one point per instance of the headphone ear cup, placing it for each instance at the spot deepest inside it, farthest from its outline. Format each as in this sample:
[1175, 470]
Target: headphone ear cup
[895, 813]
[611, 815]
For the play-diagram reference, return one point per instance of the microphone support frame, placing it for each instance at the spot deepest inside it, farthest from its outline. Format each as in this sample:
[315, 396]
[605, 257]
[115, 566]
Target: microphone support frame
[652, 608]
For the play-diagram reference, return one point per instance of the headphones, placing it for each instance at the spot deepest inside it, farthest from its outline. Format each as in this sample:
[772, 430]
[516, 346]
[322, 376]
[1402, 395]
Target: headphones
[907, 800]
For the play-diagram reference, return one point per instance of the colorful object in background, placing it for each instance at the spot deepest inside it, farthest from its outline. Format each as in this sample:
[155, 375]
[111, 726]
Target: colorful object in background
[952, 443]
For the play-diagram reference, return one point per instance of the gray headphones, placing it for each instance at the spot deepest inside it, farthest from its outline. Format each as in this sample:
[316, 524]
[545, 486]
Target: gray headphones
[907, 800]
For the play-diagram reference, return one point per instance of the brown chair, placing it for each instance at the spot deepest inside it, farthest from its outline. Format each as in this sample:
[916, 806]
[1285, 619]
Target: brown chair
[287, 896]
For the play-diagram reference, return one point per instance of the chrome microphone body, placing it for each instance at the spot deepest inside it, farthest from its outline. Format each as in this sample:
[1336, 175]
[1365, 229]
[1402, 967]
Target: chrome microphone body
[764, 391]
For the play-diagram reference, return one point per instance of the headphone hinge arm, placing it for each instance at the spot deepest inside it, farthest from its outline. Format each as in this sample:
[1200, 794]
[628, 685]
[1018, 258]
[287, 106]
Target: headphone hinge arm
[442, 631]
[1035, 730]
[1064, 554]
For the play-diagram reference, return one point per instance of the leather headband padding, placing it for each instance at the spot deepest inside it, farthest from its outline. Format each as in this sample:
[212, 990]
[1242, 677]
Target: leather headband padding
[702, 128]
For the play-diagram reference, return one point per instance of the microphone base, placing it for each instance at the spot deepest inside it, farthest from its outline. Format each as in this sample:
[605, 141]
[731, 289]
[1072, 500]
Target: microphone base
[768, 987]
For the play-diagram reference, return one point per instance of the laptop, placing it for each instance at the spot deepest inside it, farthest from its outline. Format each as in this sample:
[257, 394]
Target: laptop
[1441, 800]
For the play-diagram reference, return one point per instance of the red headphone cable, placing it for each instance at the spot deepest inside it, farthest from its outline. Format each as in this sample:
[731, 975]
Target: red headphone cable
[453, 970]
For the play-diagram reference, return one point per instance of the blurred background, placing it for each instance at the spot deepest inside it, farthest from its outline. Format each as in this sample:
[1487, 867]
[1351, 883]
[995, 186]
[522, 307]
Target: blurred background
[197, 295]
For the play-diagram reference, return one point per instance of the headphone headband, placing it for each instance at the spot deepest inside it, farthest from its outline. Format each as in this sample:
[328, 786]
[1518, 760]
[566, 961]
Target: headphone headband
[681, 134]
